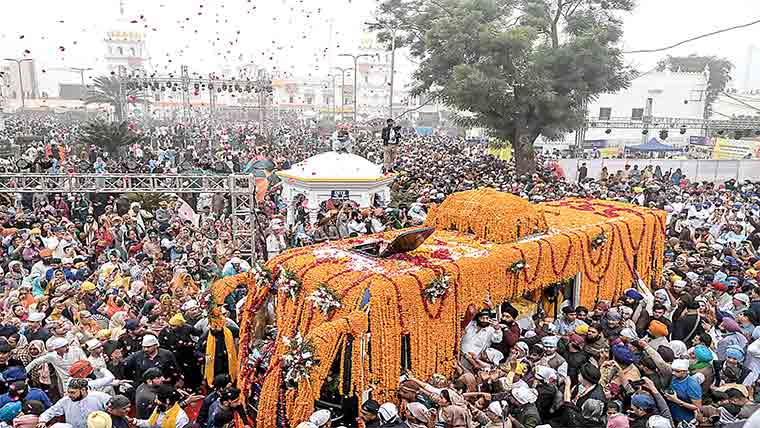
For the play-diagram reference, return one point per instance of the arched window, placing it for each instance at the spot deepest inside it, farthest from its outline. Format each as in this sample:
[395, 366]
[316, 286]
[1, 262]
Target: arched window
[133, 51]
[121, 51]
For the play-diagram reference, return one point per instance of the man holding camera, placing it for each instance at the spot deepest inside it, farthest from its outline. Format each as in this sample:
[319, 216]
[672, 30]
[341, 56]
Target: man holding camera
[391, 138]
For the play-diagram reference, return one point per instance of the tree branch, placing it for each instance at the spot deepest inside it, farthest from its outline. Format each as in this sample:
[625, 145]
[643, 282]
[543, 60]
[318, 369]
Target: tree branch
[554, 29]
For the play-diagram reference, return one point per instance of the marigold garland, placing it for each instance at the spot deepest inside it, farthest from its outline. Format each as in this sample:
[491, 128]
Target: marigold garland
[491, 215]
[476, 267]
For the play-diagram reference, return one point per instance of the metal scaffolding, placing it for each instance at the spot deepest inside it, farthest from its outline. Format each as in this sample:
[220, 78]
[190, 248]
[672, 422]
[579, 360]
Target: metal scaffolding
[655, 122]
[241, 190]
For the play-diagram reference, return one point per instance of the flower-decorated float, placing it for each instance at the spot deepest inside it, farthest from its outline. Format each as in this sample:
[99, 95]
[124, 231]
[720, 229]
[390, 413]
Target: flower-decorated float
[349, 317]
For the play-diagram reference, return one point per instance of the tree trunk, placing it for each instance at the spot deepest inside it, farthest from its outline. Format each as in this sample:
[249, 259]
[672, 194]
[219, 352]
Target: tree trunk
[118, 112]
[525, 157]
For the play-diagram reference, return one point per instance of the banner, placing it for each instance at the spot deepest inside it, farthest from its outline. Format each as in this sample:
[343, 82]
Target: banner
[698, 140]
[504, 154]
[609, 152]
[736, 149]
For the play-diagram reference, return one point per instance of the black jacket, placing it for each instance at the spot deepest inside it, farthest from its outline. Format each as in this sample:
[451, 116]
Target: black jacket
[387, 135]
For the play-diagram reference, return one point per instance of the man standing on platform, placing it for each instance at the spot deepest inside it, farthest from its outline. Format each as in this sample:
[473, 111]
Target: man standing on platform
[391, 138]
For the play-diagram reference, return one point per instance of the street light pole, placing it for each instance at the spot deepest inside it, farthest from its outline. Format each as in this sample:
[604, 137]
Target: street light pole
[342, 88]
[393, 66]
[20, 77]
[81, 72]
[356, 77]
[393, 31]
[334, 101]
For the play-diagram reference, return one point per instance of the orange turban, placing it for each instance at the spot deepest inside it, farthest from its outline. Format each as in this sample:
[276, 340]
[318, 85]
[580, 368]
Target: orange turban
[658, 329]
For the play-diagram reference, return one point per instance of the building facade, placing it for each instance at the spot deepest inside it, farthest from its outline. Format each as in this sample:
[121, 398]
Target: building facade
[11, 82]
[666, 94]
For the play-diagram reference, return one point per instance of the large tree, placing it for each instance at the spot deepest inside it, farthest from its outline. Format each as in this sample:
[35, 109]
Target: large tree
[522, 68]
[719, 70]
[113, 91]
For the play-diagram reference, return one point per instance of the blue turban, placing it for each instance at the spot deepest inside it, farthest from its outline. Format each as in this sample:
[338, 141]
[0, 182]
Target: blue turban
[736, 352]
[12, 374]
[642, 401]
[703, 354]
[633, 294]
[10, 411]
[623, 354]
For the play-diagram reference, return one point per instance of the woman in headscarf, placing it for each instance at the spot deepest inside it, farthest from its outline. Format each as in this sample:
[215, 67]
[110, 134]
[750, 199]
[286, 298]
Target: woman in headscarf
[117, 324]
[417, 415]
[701, 362]
[453, 415]
[39, 377]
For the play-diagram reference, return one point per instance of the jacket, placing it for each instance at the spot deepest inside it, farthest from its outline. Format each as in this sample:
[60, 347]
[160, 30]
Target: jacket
[386, 135]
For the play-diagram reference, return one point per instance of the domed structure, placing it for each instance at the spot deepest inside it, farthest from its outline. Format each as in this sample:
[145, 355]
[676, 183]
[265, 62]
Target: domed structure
[334, 166]
[338, 176]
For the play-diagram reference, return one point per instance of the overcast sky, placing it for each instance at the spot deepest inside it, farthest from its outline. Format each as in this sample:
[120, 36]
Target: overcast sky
[293, 35]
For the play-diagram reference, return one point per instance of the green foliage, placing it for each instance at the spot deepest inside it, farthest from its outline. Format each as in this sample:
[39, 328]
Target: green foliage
[521, 68]
[719, 69]
[109, 136]
[110, 90]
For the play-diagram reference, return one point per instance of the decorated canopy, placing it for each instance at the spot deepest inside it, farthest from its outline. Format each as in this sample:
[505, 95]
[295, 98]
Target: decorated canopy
[652, 146]
[329, 294]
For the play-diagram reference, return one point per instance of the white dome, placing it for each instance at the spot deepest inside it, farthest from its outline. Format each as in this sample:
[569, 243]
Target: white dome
[335, 166]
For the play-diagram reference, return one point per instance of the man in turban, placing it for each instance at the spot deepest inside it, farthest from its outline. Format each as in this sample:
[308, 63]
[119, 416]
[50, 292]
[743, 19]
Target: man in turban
[659, 332]
[687, 393]
[731, 335]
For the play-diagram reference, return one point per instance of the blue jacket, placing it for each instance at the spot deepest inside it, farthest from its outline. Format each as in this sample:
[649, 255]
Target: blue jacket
[32, 394]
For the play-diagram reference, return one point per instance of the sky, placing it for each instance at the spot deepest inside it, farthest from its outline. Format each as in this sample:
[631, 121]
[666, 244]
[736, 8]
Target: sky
[294, 35]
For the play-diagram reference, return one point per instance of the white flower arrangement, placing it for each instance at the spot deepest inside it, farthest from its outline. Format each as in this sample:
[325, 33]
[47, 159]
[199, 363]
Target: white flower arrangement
[298, 360]
[263, 274]
[288, 282]
[437, 288]
[518, 266]
[325, 299]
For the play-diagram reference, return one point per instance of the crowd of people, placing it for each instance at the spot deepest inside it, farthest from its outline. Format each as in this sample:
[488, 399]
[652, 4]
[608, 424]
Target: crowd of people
[105, 322]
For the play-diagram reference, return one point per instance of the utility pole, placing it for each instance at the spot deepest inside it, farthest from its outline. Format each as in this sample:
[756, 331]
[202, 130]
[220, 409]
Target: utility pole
[334, 99]
[393, 31]
[20, 77]
[342, 88]
[356, 77]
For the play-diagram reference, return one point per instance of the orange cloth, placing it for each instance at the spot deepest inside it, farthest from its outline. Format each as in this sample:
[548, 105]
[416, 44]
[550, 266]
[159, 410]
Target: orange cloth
[658, 329]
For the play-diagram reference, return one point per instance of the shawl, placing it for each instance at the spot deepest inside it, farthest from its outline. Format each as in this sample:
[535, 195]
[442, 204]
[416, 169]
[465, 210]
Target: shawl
[229, 344]
[170, 420]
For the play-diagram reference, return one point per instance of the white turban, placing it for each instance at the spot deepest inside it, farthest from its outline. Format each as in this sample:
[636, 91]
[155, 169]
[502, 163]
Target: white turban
[629, 333]
[525, 395]
[679, 349]
[496, 408]
[657, 421]
[523, 347]
[320, 417]
[546, 373]
[388, 413]
[494, 356]
[680, 365]
[550, 341]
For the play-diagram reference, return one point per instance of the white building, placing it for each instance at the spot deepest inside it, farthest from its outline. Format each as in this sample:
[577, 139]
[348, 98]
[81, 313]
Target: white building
[11, 82]
[126, 48]
[750, 79]
[666, 94]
